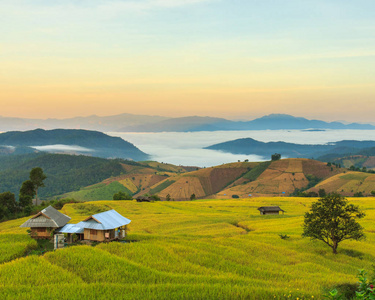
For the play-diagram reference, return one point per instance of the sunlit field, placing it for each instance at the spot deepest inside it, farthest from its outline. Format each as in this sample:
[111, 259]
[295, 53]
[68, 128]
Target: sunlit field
[204, 249]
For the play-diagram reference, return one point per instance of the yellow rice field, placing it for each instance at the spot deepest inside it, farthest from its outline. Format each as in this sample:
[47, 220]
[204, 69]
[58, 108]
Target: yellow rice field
[205, 249]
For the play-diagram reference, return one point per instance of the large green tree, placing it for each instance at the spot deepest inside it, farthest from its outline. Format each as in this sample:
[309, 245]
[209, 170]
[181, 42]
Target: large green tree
[37, 177]
[27, 193]
[8, 205]
[332, 220]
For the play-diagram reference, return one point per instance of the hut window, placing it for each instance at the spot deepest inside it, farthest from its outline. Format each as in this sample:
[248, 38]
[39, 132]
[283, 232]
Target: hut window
[41, 230]
[92, 231]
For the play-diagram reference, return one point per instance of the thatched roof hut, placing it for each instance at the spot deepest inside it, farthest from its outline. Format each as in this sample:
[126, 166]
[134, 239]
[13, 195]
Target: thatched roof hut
[270, 210]
[48, 217]
[45, 221]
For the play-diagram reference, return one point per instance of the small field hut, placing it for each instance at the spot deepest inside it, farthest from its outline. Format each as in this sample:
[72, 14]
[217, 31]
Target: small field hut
[105, 226]
[44, 222]
[270, 210]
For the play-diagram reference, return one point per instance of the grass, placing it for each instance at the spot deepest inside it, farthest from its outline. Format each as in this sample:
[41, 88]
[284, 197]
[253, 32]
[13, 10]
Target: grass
[99, 191]
[161, 186]
[255, 172]
[204, 249]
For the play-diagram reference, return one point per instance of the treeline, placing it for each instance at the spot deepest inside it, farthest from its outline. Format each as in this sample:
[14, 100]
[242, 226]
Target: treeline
[64, 173]
[12, 209]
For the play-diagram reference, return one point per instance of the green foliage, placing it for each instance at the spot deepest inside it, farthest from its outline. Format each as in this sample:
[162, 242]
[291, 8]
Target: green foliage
[37, 177]
[332, 220]
[122, 196]
[333, 295]
[155, 197]
[313, 181]
[87, 209]
[58, 204]
[284, 236]
[192, 197]
[358, 194]
[162, 186]
[276, 156]
[366, 288]
[8, 205]
[65, 173]
[99, 192]
[322, 193]
[27, 188]
[255, 172]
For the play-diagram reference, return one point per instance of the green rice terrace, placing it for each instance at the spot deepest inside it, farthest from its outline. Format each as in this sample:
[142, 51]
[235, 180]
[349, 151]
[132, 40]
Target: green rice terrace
[203, 249]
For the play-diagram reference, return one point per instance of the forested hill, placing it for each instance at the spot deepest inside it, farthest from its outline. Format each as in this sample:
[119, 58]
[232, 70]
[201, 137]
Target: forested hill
[251, 146]
[64, 172]
[88, 142]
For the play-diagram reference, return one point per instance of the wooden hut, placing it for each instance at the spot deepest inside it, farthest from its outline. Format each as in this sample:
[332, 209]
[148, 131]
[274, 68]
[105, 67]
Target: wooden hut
[44, 222]
[144, 199]
[105, 226]
[270, 210]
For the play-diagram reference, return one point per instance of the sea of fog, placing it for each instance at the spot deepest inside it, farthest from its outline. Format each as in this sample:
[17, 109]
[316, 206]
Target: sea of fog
[185, 148]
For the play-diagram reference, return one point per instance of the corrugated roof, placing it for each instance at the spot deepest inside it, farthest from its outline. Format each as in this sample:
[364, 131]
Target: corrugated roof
[106, 220]
[71, 228]
[48, 217]
[269, 208]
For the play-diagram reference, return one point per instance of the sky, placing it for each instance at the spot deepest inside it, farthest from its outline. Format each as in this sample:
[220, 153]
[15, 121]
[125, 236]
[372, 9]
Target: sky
[237, 59]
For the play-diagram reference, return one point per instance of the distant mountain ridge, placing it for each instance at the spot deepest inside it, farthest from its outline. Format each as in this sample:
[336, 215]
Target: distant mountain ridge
[250, 146]
[86, 142]
[144, 123]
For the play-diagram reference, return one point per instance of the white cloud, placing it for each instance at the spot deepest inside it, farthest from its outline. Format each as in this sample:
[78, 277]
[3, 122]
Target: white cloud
[62, 148]
[185, 148]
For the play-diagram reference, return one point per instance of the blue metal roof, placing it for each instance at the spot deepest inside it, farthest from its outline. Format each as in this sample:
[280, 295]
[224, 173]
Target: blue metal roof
[106, 220]
[71, 228]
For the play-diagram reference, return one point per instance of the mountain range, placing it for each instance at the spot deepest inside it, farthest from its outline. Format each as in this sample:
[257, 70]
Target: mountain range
[331, 150]
[69, 141]
[144, 123]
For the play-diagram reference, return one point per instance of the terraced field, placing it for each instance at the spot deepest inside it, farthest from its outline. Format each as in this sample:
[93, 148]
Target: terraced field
[205, 249]
[348, 184]
[281, 177]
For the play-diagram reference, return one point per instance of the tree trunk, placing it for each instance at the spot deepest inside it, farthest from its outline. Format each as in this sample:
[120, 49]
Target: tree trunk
[334, 248]
[36, 197]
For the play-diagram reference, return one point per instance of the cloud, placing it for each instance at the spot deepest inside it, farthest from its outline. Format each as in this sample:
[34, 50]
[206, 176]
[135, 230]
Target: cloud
[62, 148]
[185, 148]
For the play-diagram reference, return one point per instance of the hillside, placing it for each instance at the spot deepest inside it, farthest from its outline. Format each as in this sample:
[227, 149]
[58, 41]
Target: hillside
[280, 177]
[251, 146]
[164, 179]
[268, 178]
[348, 184]
[66, 173]
[72, 141]
[206, 249]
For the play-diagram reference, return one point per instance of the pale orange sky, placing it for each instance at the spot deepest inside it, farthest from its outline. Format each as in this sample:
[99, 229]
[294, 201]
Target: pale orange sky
[188, 57]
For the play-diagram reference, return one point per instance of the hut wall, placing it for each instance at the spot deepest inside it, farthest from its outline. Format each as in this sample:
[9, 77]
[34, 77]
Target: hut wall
[94, 235]
[271, 213]
[40, 232]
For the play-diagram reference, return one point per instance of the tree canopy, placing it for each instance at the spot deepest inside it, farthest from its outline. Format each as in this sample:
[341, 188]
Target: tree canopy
[37, 177]
[331, 220]
[122, 196]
